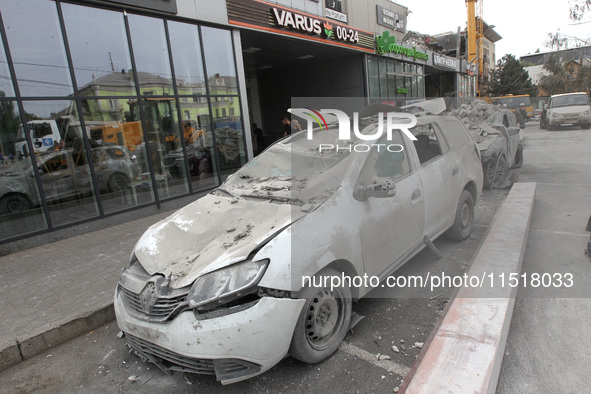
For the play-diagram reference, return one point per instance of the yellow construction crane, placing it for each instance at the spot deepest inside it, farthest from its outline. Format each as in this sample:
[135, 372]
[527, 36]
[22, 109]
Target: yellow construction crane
[475, 35]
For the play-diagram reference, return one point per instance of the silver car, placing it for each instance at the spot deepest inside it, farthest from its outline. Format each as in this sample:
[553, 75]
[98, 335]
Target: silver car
[65, 174]
[233, 282]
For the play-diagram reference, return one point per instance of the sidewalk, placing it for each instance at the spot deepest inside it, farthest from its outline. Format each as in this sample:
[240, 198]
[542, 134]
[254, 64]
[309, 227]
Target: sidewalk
[57, 291]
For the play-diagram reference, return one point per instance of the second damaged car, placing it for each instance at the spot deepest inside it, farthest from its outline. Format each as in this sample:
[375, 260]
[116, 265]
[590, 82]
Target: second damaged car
[228, 285]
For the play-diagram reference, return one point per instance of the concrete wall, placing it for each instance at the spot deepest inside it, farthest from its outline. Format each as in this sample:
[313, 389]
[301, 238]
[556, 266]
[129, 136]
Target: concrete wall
[203, 10]
[363, 15]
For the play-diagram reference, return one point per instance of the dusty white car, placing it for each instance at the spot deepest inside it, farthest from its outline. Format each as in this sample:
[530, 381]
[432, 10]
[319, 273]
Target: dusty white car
[217, 287]
[568, 108]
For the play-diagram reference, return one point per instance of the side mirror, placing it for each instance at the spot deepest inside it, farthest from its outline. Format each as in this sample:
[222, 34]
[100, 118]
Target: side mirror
[513, 130]
[379, 188]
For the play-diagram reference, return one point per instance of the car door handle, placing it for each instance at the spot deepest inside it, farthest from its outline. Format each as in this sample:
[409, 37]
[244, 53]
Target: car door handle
[455, 171]
[415, 194]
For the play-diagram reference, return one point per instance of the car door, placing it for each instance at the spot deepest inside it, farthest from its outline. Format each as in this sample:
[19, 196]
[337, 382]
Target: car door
[440, 174]
[56, 176]
[391, 226]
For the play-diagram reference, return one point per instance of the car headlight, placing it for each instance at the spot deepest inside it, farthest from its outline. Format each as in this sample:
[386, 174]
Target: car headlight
[226, 284]
[586, 113]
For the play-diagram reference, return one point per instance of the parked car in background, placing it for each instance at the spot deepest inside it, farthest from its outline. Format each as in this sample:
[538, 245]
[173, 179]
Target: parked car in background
[499, 141]
[64, 175]
[198, 159]
[233, 282]
[567, 109]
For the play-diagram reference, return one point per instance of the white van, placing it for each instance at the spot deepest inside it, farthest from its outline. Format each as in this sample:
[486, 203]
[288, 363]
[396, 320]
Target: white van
[568, 108]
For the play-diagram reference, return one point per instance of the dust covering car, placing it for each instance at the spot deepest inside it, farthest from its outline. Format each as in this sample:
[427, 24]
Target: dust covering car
[233, 282]
[64, 175]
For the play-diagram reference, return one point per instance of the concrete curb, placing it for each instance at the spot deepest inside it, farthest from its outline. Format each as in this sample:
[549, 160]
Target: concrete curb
[22, 349]
[466, 351]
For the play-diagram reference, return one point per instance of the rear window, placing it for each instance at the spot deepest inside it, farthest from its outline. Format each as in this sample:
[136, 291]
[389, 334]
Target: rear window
[455, 131]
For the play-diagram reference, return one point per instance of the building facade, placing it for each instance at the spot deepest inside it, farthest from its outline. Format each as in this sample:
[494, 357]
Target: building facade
[112, 106]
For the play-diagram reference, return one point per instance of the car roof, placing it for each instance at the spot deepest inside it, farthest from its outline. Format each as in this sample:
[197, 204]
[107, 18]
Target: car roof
[568, 94]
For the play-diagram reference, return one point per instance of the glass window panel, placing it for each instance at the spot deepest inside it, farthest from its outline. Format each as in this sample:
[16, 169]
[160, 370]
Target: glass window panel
[100, 55]
[408, 86]
[415, 87]
[20, 204]
[122, 173]
[229, 135]
[151, 55]
[374, 81]
[421, 86]
[391, 79]
[165, 146]
[186, 54]
[37, 47]
[219, 58]
[62, 161]
[199, 142]
[6, 88]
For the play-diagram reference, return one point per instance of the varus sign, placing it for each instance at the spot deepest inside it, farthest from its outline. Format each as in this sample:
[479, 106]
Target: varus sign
[260, 15]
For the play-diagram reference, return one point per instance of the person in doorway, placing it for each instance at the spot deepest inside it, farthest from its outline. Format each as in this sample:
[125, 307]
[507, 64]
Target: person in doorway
[286, 122]
[259, 138]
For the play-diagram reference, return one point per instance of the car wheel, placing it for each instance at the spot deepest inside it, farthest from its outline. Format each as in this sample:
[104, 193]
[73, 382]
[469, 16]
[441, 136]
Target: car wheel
[518, 157]
[586, 126]
[464, 219]
[14, 203]
[323, 322]
[551, 127]
[494, 173]
[118, 182]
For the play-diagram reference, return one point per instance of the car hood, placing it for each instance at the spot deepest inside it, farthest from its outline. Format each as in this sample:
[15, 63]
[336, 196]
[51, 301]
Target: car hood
[573, 109]
[208, 234]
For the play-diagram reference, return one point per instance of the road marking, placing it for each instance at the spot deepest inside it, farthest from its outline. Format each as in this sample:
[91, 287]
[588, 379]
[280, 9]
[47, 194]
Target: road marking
[541, 230]
[388, 365]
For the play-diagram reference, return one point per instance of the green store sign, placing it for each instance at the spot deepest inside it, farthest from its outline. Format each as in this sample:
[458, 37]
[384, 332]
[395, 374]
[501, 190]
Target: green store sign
[402, 90]
[387, 44]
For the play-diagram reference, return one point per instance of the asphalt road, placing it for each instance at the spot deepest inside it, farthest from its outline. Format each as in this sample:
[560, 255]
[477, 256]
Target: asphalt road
[549, 343]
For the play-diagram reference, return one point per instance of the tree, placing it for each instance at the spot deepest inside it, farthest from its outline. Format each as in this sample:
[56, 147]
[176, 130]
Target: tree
[565, 78]
[577, 12]
[510, 77]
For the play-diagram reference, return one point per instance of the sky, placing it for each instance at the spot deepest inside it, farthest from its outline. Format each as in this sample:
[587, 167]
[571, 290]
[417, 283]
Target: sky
[523, 24]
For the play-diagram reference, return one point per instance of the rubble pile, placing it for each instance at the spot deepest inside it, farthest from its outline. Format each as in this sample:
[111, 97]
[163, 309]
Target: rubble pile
[475, 113]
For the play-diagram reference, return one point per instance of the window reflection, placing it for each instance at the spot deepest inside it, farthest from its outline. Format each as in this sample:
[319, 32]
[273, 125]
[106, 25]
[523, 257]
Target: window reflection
[219, 59]
[62, 162]
[37, 47]
[100, 55]
[198, 134]
[228, 133]
[151, 55]
[117, 136]
[20, 211]
[6, 89]
[186, 52]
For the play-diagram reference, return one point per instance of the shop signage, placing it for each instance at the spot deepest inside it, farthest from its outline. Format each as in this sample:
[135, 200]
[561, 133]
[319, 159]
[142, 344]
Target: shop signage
[402, 90]
[260, 15]
[391, 19]
[445, 61]
[339, 16]
[387, 44]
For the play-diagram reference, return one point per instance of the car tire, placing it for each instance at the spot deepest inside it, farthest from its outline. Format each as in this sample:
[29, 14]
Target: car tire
[14, 203]
[464, 219]
[586, 126]
[323, 321]
[551, 127]
[518, 157]
[118, 182]
[494, 173]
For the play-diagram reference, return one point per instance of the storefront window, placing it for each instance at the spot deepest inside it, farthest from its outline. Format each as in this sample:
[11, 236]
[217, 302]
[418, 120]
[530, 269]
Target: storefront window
[391, 79]
[198, 133]
[100, 55]
[374, 78]
[20, 203]
[62, 161]
[219, 60]
[186, 52]
[151, 55]
[229, 135]
[122, 135]
[37, 47]
[6, 89]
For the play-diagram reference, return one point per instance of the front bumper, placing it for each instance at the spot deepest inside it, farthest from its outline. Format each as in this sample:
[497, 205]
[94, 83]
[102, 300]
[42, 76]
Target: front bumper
[572, 120]
[234, 347]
